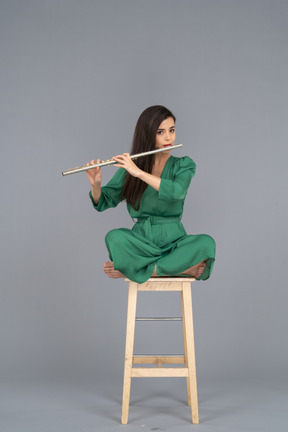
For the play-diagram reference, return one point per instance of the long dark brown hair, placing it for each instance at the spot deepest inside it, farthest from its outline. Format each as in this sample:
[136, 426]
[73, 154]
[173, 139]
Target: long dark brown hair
[144, 140]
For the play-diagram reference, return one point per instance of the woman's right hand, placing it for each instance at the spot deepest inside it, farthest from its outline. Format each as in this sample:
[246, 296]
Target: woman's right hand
[94, 175]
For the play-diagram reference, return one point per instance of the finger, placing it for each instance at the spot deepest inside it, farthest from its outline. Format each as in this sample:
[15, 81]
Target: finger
[125, 156]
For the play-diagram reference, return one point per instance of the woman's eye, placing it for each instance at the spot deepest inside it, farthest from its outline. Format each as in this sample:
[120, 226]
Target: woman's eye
[159, 132]
[172, 130]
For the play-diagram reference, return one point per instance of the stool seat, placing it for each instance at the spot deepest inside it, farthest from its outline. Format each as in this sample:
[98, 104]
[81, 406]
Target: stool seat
[188, 370]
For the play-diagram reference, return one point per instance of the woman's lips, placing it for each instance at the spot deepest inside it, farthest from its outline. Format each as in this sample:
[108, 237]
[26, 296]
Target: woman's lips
[167, 145]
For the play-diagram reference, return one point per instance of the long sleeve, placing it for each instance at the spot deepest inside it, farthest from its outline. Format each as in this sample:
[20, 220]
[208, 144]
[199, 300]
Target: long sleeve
[110, 194]
[176, 189]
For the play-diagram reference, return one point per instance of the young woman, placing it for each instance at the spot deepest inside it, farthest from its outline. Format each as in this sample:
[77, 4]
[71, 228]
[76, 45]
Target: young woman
[154, 188]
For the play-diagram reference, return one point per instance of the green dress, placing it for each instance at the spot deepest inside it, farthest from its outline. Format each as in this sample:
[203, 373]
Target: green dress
[158, 236]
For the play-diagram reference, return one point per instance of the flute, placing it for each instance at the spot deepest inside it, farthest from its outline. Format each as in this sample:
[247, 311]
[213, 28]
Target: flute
[112, 162]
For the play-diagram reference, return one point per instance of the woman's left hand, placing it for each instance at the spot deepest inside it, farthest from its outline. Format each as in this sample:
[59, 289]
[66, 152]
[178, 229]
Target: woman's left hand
[125, 161]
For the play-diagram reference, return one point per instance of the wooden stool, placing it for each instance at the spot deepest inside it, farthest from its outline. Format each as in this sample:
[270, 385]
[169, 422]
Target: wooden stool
[188, 359]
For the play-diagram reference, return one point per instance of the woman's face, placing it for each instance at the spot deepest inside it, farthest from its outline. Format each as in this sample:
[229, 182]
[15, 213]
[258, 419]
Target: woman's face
[166, 133]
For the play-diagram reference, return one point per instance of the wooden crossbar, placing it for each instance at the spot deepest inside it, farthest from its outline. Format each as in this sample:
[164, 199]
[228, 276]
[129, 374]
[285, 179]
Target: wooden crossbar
[159, 372]
[155, 359]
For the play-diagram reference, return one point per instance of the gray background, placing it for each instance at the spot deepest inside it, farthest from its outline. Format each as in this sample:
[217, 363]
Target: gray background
[75, 76]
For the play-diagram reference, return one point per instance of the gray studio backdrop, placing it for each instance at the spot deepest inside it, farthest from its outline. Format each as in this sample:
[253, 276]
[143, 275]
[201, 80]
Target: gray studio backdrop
[75, 76]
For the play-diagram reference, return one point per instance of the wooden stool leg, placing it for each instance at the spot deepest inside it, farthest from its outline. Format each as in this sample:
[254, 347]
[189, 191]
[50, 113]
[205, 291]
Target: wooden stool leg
[185, 351]
[130, 331]
[190, 346]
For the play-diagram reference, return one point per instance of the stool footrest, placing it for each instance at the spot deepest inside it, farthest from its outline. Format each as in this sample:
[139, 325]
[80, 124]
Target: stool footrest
[149, 359]
[159, 372]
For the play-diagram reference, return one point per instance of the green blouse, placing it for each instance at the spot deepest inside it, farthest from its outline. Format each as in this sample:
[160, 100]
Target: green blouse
[167, 202]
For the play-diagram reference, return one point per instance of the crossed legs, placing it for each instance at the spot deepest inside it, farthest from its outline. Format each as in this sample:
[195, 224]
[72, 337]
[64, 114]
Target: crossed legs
[194, 271]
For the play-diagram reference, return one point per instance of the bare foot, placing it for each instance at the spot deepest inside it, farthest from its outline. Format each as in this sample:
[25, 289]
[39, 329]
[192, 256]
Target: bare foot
[108, 268]
[197, 270]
